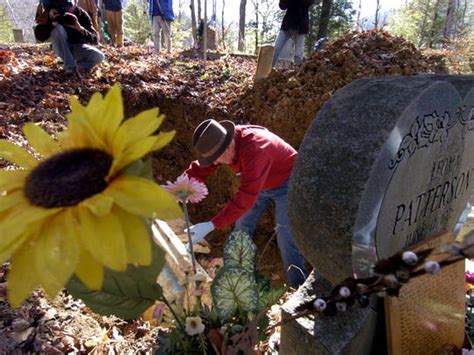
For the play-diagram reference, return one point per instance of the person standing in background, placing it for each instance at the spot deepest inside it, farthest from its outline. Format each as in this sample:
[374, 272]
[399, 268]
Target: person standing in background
[113, 15]
[161, 15]
[90, 6]
[295, 25]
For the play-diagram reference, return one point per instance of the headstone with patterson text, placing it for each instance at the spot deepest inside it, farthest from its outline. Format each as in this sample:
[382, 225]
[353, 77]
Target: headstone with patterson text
[386, 163]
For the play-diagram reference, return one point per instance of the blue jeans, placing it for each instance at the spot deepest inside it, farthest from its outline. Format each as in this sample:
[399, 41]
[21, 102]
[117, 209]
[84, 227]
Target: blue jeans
[293, 261]
[285, 36]
[82, 56]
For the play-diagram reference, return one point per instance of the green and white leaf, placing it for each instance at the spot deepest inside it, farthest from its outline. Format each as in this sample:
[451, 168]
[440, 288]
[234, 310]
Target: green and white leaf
[234, 290]
[240, 251]
[125, 294]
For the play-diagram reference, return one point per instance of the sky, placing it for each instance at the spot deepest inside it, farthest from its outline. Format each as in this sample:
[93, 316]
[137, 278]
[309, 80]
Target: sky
[367, 10]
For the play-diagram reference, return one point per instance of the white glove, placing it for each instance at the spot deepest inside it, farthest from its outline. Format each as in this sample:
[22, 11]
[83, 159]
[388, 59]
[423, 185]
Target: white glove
[199, 231]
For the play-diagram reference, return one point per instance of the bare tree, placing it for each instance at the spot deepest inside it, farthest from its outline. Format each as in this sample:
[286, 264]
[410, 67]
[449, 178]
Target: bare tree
[433, 24]
[359, 27]
[241, 43]
[193, 22]
[223, 25]
[377, 14]
[448, 25]
[324, 19]
[199, 10]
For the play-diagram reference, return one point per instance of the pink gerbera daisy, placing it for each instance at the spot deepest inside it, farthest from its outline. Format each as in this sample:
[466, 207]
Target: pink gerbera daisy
[187, 189]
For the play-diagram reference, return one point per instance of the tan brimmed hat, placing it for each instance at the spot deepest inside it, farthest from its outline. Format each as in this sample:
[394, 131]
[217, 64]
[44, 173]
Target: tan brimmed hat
[211, 139]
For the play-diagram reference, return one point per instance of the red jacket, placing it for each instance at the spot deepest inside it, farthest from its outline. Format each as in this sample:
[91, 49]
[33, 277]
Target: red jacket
[263, 160]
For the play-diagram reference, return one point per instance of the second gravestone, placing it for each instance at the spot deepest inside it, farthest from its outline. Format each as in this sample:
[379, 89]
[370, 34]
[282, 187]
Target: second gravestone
[386, 163]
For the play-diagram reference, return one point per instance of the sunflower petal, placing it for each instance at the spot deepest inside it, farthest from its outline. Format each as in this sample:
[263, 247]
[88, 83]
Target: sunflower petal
[99, 204]
[134, 151]
[41, 141]
[142, 197]
[56, 253]
[12, 179]
[89, 270]
[137, 238]
[11, 199]
[22, 278]
[80, 134]
[16, 155]
[107, 116]
[142, 125]
[18, 221]
[163, 139]
[103, 238]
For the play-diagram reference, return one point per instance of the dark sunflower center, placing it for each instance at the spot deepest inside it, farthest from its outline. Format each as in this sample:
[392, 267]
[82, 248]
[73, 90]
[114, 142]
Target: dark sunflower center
[68, 178]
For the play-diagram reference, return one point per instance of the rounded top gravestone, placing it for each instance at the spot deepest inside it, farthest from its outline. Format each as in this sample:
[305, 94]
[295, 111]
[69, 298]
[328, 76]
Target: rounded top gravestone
[386, 163]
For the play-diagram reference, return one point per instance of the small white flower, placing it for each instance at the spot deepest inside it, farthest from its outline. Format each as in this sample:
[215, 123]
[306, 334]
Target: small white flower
[410, 258]
[391, 281]
[194, 325]
[319, 304]
[344, 292]
[432, 267]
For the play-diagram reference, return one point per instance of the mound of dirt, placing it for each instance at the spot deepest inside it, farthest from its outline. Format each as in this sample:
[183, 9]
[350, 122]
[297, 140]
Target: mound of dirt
[287, 101]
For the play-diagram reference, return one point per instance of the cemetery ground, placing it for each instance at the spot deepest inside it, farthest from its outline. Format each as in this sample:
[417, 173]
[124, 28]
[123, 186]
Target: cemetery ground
[34, 89]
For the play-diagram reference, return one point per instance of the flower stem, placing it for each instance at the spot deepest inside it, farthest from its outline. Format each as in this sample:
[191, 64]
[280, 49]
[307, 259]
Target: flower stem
[174, 313]
[186, 217]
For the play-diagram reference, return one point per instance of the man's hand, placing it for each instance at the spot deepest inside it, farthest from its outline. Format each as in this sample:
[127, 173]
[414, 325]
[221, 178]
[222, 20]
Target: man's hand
[71, 21]
[54, 16]
[199, 231]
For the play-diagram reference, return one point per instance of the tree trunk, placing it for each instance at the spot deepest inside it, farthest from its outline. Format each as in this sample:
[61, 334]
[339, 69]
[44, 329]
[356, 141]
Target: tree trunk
[448, 25]
[241, 43]
[256, 26]
[359, 27]
[422, 30]
[377, 15]
[193, 22]
[223, 25]
[433, 24]
[199, 10]
[324, 19]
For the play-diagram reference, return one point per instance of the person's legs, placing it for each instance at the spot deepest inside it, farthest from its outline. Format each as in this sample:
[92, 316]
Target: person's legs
[282, 38]
[248, 222]
[112, 26]
[62, 48]
[156, 27]
[167, 34]
[293, 261]
[119, 27]
[299, 47]
[87, 56]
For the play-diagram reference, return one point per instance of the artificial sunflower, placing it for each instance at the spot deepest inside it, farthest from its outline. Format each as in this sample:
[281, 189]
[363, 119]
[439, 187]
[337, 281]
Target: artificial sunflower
[73, 210]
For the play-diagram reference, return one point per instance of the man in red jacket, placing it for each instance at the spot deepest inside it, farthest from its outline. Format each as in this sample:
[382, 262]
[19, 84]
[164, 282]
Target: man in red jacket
[264, 162]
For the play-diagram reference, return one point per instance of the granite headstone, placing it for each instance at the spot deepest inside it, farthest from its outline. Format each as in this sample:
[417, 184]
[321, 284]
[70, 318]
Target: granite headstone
[386, 163]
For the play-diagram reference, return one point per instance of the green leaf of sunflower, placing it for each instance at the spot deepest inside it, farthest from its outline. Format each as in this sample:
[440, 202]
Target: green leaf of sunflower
[240, 251]
[125, 294]
[234, 290]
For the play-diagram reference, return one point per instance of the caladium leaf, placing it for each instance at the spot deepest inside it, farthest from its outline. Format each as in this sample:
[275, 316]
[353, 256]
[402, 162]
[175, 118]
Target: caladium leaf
[234, 290]
[240, 251]
[125, 294]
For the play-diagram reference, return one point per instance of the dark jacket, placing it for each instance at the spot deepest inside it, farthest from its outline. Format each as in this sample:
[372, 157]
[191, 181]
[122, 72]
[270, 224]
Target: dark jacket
[113, 5]
[297, 15]
[45, 27]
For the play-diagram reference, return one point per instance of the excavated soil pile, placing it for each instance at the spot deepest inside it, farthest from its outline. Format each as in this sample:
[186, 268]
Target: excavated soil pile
[287, 101]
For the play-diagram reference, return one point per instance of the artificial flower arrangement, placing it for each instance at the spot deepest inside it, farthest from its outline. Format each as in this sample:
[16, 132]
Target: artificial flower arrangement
[236, 319]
